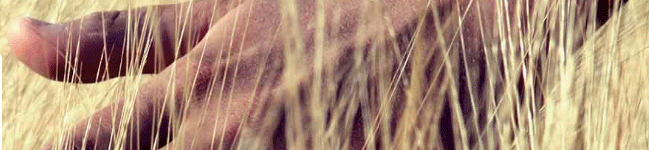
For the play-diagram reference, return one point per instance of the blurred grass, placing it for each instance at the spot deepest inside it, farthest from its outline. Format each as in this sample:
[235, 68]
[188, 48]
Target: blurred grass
[595, 98]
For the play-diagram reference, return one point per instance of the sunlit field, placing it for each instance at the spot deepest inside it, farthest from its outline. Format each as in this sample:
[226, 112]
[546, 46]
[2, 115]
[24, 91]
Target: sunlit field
[563, 84]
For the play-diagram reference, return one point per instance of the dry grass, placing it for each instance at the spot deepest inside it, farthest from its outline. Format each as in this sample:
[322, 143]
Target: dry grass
[594, 97]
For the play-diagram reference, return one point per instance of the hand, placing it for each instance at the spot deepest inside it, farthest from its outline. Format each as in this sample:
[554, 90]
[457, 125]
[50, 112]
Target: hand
[234, 75]
[93, 47]
[230, 67]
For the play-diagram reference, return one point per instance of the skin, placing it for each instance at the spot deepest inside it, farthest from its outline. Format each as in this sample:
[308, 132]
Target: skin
[44, 47]
[221, 62]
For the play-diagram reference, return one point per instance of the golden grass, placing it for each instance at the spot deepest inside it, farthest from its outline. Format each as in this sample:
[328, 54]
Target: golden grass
[595, 97]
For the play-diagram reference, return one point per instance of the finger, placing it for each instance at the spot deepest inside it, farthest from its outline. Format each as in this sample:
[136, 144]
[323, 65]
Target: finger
[208, 128]
[223, 73]
[106, 44]
[140, 126]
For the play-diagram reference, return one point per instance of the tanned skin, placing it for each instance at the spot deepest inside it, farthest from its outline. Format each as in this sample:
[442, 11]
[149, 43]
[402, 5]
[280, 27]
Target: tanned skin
[228, 49]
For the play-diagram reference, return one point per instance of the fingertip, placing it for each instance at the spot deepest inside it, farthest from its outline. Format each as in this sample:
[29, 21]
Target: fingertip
[18, 33]
[27, 44]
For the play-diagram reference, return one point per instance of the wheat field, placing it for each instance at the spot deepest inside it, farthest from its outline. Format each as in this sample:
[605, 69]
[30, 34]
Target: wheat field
[595, 95]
